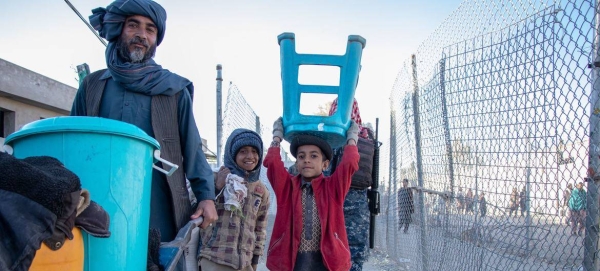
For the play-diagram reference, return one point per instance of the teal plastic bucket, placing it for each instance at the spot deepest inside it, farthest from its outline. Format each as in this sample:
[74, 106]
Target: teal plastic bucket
[331, 128]
[114, 161]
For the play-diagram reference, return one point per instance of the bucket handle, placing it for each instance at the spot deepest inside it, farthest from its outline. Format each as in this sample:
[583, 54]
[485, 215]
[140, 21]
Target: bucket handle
[165, 162]
[7, 149]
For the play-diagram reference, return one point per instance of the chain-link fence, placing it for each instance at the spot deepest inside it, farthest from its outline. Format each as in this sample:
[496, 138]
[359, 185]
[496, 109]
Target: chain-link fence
[490, 123]
[239, 114]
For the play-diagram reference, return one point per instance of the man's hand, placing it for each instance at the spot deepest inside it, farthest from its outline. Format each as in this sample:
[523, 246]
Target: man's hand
[206, 209]
[278, 129]
[352, 134]
[221, 177]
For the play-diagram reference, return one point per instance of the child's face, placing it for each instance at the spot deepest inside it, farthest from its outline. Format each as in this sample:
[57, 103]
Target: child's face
[310, 162]
[247, 158]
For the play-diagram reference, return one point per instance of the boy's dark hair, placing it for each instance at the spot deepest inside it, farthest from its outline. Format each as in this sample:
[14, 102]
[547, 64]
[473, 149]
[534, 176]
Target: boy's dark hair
[302, 140]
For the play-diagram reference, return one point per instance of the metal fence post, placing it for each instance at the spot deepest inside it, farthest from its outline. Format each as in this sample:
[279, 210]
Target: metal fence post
[219, 114]
[527, 207]
[449, 151]
[393, 178]
[258, 125]
[590, 258]
[446, 123]
[421, 200]
[591, 245]
[478, 219]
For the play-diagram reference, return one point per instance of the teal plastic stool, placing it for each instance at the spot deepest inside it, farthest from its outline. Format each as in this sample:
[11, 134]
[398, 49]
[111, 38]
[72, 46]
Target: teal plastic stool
[331, 128]
[114, 161]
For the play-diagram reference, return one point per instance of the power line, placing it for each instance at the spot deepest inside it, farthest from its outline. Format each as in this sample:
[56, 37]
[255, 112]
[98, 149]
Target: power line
[86, 22]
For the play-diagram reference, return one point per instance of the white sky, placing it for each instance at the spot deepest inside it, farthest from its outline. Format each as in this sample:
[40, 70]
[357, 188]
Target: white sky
[47, 37]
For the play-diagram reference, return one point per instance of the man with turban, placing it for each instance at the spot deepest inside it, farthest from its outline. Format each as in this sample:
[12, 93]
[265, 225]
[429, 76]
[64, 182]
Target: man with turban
[137, 90]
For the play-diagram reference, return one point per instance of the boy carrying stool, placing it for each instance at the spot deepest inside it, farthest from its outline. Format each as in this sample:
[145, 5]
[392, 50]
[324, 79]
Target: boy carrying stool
[309, 232]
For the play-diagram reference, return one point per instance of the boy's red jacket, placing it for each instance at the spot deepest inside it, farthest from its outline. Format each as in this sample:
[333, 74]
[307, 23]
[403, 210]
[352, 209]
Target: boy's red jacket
[329, 193]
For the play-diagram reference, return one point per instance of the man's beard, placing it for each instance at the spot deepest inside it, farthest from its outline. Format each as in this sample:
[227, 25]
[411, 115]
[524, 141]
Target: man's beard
[136, 55]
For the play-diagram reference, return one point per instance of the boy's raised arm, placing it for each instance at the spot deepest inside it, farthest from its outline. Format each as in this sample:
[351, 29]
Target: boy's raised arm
[349, 163]
[352, 134]
[276, 170]
[278, 130]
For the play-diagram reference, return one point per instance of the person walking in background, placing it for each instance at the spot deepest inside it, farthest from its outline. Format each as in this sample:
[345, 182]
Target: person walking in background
[565, 204]
[460, 203]
[513, 204]
[482, 204]
[440, 210]
[577, 206]
[523, 201]
[237, 239]
[405, 205]
[356, 204]
[469, 201]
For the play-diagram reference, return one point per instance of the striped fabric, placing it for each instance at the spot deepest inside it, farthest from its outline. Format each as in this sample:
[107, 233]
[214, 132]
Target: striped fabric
[354, 115]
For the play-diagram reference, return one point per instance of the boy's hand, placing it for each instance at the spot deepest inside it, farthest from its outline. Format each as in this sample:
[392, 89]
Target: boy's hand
[278, 129]
[352, 134]
[221, 177]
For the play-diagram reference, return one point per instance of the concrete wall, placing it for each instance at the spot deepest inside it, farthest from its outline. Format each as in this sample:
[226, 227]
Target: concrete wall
[22, 113]
[32, 88]
[26, 96]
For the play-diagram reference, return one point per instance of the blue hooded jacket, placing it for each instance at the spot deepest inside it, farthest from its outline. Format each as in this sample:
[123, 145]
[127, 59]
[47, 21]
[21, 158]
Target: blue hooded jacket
[577, 202]
[238, 139]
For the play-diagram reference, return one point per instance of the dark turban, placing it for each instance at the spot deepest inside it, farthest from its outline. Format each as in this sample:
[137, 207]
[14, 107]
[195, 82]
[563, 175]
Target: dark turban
[109, 21]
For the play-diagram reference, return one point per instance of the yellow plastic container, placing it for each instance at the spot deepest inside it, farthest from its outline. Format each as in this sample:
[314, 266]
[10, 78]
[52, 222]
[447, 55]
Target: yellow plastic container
[68, 258]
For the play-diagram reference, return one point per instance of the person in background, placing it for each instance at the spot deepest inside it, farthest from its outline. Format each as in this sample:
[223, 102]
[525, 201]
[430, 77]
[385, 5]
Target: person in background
[405, 205]
[237, 239]
[482, 204]
[513, 205]
[577, 206]
[309, 232]
[523, 201]
[440, 210]
[565, 204]
[460, 201]
[469, 201]
[356, 205]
